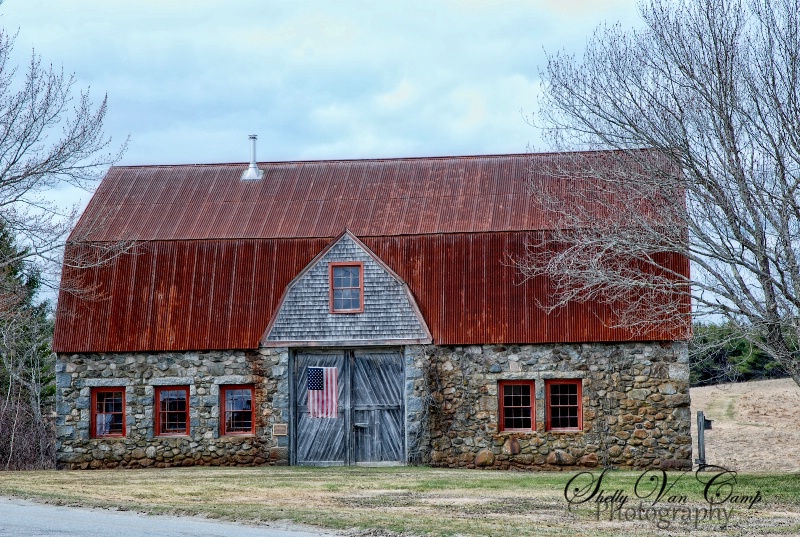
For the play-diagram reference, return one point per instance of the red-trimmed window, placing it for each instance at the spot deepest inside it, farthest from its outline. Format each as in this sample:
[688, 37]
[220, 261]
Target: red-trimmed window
[516, 405]
[172, 411]
[563, 405]
[238, 416]
[347, 287]
[108, 412]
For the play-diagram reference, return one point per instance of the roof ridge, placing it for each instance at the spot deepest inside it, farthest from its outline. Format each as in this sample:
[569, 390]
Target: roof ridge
[323, 161]
[382, 159]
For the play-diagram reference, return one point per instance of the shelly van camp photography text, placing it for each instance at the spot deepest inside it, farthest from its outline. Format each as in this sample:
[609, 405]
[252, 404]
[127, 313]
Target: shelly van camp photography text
[707, 496]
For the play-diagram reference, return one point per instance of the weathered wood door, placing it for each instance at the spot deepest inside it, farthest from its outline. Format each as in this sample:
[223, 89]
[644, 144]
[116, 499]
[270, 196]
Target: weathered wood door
[319, 441]
[370, 425]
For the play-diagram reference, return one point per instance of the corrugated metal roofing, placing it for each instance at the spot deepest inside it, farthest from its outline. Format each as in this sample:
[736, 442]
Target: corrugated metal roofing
[212, 294]
[218, 253]
[317, 199]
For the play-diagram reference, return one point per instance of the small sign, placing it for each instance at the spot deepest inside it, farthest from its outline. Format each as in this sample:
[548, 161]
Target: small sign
[280, 429]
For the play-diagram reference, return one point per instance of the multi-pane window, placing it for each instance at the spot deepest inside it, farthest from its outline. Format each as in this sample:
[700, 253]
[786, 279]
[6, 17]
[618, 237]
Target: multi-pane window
[563, 404]
[238, 415]
[516, 405]
[347, 287]
[108, 412]
[172, 410]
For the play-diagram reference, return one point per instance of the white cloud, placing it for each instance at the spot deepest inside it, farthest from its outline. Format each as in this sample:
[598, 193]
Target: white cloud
[316, 79]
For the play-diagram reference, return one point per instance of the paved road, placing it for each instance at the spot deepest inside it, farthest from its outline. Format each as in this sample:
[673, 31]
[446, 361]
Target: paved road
[20, 518]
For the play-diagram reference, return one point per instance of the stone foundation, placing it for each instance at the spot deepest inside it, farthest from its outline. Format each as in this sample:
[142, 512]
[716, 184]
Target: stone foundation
[635, 406]
[140, 374]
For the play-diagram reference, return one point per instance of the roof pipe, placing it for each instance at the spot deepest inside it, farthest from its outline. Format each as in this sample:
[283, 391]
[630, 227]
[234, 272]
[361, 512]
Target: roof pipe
[252, 173]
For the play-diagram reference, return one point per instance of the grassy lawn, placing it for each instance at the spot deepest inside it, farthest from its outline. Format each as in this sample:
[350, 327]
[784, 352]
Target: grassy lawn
[425, 501]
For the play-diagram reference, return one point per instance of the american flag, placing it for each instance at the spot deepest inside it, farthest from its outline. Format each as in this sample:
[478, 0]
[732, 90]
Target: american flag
[323, 392]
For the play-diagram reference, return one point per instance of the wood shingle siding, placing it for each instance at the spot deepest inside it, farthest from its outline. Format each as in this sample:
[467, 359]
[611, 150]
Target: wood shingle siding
[390, 313]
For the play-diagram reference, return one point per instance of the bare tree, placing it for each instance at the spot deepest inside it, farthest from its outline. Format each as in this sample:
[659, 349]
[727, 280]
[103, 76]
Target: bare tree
[28, 389]
[51, 138]
[702, 106]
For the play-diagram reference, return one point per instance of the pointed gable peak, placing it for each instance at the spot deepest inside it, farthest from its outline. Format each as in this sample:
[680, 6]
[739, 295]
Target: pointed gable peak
[346, 295]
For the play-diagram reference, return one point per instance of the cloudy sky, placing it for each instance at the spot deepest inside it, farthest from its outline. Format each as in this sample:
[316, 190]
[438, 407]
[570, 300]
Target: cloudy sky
[189, 80]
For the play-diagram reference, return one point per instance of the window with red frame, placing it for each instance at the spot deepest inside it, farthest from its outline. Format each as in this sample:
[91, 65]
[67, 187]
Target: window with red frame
[108, 412]
[347, 287]
[516, 405]
[172, 411]
[563, 404]
[238, 416]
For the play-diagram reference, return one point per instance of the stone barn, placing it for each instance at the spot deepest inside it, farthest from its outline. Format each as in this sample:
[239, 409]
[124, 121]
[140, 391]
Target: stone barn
[341, 313]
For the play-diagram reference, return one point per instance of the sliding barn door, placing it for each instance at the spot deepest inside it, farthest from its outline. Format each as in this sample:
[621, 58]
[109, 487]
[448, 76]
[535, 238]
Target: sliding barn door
[378, 432]
[369, 427]
[320, 441]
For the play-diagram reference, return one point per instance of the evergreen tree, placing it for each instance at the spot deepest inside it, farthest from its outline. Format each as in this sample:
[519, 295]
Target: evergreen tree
[721, 353]
[26, 363]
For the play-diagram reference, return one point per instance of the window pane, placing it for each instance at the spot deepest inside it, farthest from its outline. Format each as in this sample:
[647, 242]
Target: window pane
[517, 405]
[238, 411]
[173, 411]
[346, 288]
[116, 424]
[564, 400]
[109, 412]
[571, 421]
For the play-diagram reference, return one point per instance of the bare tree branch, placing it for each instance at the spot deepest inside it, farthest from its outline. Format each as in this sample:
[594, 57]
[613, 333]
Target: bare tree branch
[51, 138]
[711, 89]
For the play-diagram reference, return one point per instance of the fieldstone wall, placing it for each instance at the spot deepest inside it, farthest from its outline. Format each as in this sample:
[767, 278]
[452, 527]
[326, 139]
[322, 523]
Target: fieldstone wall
[204, 373]
[635, 405]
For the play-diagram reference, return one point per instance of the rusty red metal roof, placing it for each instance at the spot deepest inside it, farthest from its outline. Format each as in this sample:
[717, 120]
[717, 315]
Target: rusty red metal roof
[217, 253]
[372, 198]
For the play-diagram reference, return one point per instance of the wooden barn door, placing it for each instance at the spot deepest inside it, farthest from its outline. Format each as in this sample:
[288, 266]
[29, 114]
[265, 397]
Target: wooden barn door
[320, 441]
[370, 424]
[378, 420]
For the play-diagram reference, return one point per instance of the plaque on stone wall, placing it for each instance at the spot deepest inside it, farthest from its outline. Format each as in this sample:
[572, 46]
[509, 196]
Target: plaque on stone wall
[280, 429]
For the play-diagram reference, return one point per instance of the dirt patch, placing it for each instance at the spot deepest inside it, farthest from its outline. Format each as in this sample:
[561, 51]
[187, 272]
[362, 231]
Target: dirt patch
[756, 425]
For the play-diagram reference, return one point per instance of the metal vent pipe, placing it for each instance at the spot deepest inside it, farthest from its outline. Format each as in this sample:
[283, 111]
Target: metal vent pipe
[252, 173]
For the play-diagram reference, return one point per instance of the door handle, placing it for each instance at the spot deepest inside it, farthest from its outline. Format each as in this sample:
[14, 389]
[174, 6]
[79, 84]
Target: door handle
[361, 425]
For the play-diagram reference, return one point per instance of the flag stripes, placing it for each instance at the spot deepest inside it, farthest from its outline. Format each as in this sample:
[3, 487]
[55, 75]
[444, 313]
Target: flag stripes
[323, 392]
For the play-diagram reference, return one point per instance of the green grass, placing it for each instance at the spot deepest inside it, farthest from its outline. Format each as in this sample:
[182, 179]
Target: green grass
[411, 500]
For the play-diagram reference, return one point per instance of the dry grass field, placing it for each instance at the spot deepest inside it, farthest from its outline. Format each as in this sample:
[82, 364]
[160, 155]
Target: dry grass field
[756, 425]
[413, 501]
[755, 430]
